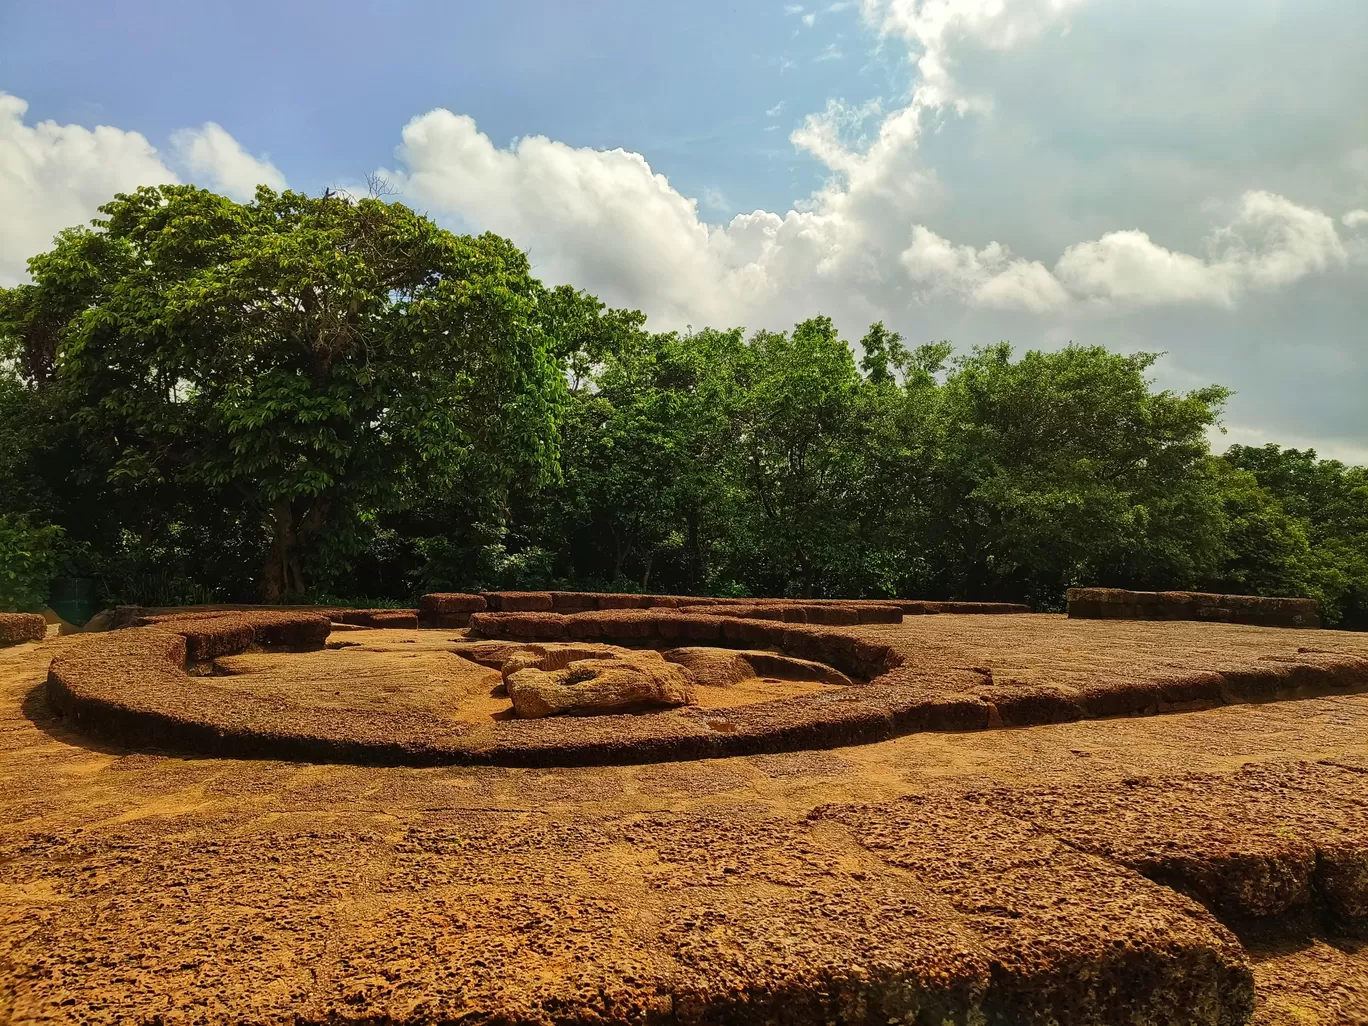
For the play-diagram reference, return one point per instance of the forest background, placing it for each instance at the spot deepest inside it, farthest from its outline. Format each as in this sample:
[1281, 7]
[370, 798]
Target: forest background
[326, 399]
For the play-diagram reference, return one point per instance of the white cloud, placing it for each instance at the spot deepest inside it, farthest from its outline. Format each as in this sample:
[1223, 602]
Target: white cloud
[600, 218]
[776, 110]
[931, 27]
[809, 19]
[54, 176]
[793, 8]
[1128, 266]
[831, 52]
[1355, 219]
[1270, 243]
[988, 277]
[219, 162]
[606, 221]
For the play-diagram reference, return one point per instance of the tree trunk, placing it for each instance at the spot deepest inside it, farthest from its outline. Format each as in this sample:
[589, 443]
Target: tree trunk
[276, 575]
[695, 548]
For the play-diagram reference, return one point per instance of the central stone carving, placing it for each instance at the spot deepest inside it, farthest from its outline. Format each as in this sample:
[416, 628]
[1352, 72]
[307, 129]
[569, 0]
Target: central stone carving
[593, 680]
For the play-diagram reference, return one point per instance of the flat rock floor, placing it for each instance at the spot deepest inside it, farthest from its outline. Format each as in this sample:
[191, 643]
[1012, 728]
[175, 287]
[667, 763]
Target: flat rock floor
[1136, 870]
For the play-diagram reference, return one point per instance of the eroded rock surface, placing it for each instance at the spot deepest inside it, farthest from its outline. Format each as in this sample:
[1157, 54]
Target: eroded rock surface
[557, 657]
[721, 667]
[633, 682]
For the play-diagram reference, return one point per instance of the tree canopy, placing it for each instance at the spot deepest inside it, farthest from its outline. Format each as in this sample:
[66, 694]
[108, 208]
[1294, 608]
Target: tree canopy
[302, 398]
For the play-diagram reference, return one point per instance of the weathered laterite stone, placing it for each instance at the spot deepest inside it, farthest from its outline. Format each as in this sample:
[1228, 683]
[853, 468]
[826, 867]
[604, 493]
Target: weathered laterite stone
[1255, 610]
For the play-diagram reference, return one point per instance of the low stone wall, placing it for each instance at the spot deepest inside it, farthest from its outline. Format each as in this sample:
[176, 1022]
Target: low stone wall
[393, 619]
[16, 628]
[133, 687]
[212, 634]
[1117, 604]
[917, 607]
[449, 610]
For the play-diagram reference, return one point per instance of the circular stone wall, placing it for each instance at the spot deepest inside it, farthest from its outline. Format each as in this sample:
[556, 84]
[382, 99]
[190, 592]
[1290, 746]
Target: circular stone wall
[228, 685]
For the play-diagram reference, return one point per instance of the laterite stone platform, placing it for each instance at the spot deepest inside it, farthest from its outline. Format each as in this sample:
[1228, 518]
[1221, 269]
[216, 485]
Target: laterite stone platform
[1205, 867]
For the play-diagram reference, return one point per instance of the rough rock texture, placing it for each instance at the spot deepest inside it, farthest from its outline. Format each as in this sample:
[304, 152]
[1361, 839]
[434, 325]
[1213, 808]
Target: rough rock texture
[1289, 842]
[833, 614]
[914, 607]
[20, 627]
[385, 618]
[1116, 604]
[211, 634]
[447, 610]
[964, 674]
[492, 654]
[599, 685]
[549, 657]
[1097, 938]
[1311, 982]
[452, 602]
[923, 879]
[824, 611]
[720, 667]
[519, 601]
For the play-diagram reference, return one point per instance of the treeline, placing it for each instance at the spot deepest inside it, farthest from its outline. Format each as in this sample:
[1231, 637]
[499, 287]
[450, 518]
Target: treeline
[315, 398]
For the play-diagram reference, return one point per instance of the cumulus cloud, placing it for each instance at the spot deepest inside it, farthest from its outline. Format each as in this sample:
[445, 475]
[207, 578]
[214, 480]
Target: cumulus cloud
[600, 218]
[990, 276]
[1127, 265]
[931, 27]
[1270, 243]
[54, 176]
[605, 220]
[219, 162]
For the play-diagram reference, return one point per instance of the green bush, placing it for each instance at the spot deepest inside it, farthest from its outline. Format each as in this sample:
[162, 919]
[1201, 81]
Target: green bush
[28, 561]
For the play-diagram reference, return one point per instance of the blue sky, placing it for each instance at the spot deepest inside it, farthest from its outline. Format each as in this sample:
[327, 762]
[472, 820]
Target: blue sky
[1170, 175]
[322, 90]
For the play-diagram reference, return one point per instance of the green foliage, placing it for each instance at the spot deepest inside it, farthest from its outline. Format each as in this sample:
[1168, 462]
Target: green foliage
[311, 397]
[1299, 525]
[1066, 468]
[29, 559]
[299, 363]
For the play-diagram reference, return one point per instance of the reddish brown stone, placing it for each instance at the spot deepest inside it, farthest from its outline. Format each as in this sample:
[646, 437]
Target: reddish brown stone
[1118, 604]
[19, 627]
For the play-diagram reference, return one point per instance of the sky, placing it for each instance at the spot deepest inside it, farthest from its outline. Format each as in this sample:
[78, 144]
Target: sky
[1179, 176]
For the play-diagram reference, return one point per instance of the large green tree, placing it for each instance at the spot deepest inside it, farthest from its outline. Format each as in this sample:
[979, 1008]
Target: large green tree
[799, 435]
[301, 361]
[1069, 468]
[1298, 525]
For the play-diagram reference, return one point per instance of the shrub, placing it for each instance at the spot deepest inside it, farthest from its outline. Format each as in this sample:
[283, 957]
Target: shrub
[28, 561]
